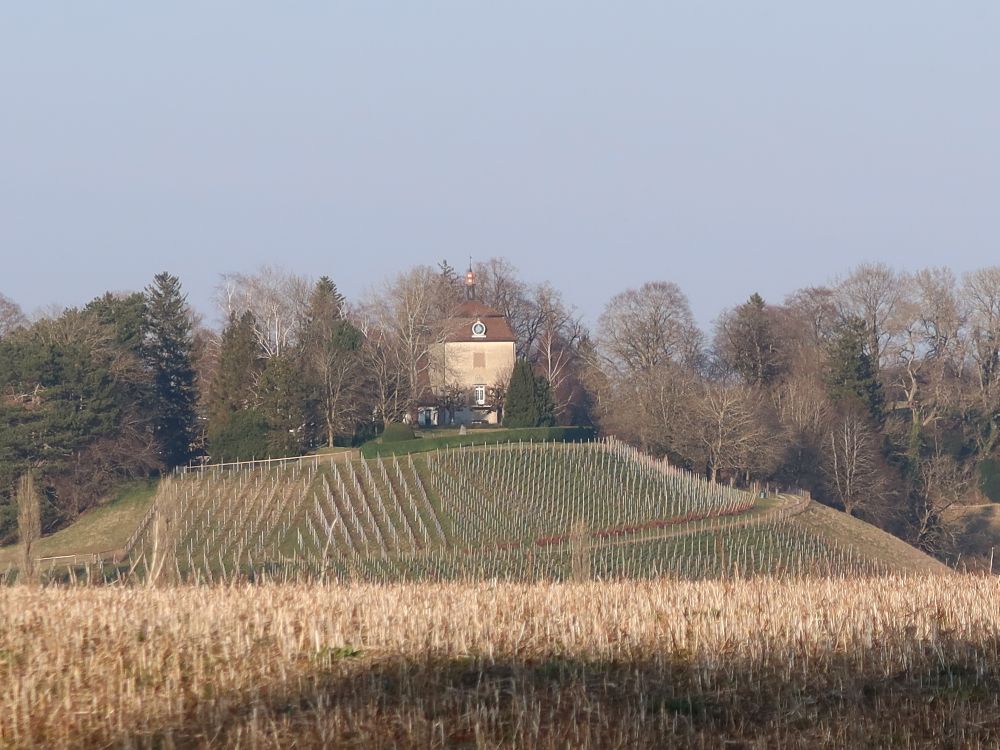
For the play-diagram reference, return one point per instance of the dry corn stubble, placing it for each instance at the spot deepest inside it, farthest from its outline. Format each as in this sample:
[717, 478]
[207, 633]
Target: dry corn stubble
[822, 662]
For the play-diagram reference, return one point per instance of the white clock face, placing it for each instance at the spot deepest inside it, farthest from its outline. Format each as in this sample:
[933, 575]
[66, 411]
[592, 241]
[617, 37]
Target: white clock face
[478, 328]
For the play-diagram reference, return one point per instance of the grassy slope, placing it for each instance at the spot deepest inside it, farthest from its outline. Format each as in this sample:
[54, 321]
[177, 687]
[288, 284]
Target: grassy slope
[104, 528]
[868, 540]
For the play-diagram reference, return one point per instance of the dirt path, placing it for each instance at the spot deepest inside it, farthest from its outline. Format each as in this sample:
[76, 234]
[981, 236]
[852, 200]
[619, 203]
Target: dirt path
[768, 509]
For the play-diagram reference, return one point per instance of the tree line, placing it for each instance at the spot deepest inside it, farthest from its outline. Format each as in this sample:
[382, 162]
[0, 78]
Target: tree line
[877, 392]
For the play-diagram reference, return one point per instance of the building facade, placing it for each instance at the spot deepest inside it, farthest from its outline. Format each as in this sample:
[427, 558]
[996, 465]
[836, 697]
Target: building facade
[470, 367]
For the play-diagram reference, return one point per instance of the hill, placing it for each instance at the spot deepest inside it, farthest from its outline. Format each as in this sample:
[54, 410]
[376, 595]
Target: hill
[517, 512]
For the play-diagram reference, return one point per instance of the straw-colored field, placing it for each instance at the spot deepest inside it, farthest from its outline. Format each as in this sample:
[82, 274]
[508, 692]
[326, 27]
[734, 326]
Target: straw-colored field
[902, 662]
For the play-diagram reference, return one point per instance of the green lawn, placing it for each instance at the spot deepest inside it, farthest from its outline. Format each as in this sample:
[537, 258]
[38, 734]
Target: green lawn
[104, 528]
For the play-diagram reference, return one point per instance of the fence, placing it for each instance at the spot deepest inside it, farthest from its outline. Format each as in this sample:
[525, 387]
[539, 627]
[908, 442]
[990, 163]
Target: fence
[342, 456]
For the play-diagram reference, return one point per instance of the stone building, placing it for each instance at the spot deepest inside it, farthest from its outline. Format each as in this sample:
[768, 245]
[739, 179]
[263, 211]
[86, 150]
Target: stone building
[475, 359]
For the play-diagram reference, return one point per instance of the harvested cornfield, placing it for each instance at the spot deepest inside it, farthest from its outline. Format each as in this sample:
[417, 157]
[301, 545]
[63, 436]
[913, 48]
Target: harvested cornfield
[907, 662]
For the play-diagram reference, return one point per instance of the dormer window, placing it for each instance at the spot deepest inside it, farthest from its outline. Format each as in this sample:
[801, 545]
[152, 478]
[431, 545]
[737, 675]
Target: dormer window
[479, 330]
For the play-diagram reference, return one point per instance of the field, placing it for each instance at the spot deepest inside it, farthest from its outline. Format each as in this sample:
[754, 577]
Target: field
[518, 512]
[520, 595]
[907, 662]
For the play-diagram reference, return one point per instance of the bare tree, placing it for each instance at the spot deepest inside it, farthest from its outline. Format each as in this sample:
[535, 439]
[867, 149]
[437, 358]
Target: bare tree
[730, 429]
[278, 300]
[981, 291]
[499, 287]
[403, 324]
[852, 467]
[652, 408]
[555, 354]
[29, 525]
[161, 564]
[805, 324]
[944, 483]
[872, 292]
[926, 356]
[390, 390]
[11, 316]
[644, 328]
[746, 342]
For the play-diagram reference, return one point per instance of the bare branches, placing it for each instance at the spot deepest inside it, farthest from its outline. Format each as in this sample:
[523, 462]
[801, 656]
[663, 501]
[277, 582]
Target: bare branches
[944, 484]
[277, 299]
[643, 328]
[872, 292]
[403, 322]
[852, 464]
[731, 430]
[11, 316]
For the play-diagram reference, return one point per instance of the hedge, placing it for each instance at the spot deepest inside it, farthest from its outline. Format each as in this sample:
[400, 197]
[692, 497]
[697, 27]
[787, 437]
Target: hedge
[492, 437]
[395, 432]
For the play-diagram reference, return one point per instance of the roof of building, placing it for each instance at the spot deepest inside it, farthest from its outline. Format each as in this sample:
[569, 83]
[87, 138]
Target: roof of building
[470, 311]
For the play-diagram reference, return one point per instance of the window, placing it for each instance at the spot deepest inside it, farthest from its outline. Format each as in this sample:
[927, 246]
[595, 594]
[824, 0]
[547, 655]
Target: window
[480, 395]
[479, 329]
[479, 360]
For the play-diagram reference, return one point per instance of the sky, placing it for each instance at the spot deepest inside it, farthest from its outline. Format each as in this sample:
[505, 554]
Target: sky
[728, 147]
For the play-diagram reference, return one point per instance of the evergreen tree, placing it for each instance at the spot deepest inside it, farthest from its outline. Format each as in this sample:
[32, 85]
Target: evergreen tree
[520, 408]
[544, 403]
[168, 352]
[851, 375]
[529, 401]
[331, 365]
[326, 303]
[283, 402]
[242, 437]
[240, 362]
[125, 314]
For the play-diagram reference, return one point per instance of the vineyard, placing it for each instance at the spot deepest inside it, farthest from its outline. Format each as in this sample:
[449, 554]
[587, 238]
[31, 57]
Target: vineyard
[520, 512]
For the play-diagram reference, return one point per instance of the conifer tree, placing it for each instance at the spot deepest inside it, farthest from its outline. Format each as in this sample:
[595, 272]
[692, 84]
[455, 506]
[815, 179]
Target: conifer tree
[544, 403]
[283, 402]
[240, 361]
[851, 374]
[168, 353]
[332, 364]
[520, 408]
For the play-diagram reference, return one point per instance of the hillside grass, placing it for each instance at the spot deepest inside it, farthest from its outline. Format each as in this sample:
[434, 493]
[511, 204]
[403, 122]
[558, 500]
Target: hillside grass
[106, 527]
[870, 541]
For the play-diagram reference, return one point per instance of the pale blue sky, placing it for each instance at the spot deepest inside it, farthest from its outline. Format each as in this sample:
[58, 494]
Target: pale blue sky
[729, 147]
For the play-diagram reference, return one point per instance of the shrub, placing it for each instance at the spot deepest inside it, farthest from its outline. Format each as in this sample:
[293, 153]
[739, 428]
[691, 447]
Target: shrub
[397, 433]
[243, 436]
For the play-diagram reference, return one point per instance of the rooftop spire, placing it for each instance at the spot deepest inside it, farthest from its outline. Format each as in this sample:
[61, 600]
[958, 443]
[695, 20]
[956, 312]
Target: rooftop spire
[470, 282]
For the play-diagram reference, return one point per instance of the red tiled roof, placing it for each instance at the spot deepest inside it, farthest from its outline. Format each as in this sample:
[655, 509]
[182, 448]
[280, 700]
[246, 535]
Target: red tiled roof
[466, 315]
